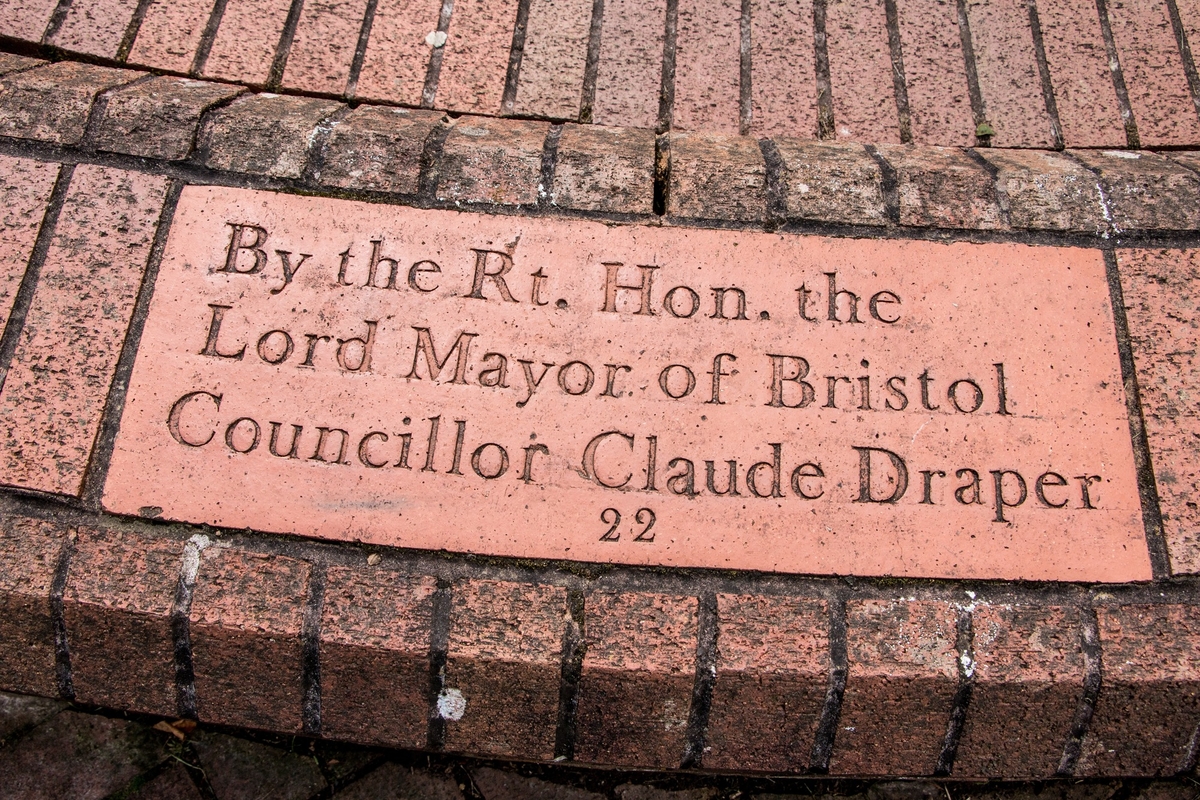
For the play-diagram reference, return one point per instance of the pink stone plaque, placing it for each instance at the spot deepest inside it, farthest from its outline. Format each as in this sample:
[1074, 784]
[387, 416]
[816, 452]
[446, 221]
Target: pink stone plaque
[564, 389]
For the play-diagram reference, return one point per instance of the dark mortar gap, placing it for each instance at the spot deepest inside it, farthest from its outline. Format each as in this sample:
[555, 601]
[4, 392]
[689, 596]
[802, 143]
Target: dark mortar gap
[973, 90]
[203, 127]
[360, 50]
[666, 91]
[439, 643]
[889, 185]
[1185, 53]
[573, 649]
[428, 174]
[1039, 52]
[207, 37]
[62, 648]
[999, 193]
[831, 712]
[319, 145]
[1118, 77]
[549, 166]
[284, 49]
[433, 72]
[776, 183]
[662, 173]
[57, 18]
[181, 633]
[745, 72]
[825, 121]
[91, 128]
[135, 26]
[515, 55]
[899, 78]
[310, 675]
[706, 676]
[964, 646]
[1089, 638]
[591, 67]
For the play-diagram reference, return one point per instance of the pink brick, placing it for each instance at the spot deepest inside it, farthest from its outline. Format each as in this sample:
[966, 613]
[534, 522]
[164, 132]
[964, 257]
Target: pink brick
[860, 71]
[170, 34]
[1158, 90]
[326, 39]
[556, 46]
[1083, 85]
[1189, 13]
[707, 65]
[397, 56]
[936, 73]
[475, 64]
[247, 40]
[26, 19]
[24, 189]
[95, 27]
[1008, 73]
[55, 391]
[630, 75]
[784, 88]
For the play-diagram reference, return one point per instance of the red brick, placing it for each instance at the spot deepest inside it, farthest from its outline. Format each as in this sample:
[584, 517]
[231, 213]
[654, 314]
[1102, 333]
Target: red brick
[1145, 191]
[237, 768]
[1158, 90]
[707, 59]
[117, 606]
[832, 182]
[324, 46]
[170, 34]
[492, 161]
[1046, 191]
[605, 169]
[716, 177]
[942, 187]
[556, 44]
[934, 68]
[860, 71]
[52, 103]
[900, 687]
[264, 134]
[25, 186]
[1163, 310]
[26, 19]
[1008, 73]
[629, 78]
[783, 84]
[635, 689]
[504, 658]
[245, 45]
[772, 668]
[475, 63]
[246, 619]
[397, 56]
[1079, 72]
[1029, 673]
[13, 63]
[95, 27]
[158, 118]
[1150, 698]
[29, 553]
[379, 148]
[58, 382]
[375, 630]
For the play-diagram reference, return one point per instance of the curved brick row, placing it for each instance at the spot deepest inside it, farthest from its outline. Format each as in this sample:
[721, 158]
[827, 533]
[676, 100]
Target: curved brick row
[1083, 73]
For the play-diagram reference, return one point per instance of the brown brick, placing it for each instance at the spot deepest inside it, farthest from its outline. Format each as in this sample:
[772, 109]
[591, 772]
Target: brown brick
[900, 687]
[707, 82]
[832, 182]
[173, 784]
[504, 657]
[716, 177]
[860, 71]
[395, 780]
[26, 19]
[475, 63]
[1046, 191]
[158, 118]
[52, 103]
[783, 84]
[397, 56]
[495, 784]
[324, 46]
[375, 630]
[556, 44]
[246, 621]
[247, 40]
[1162, 306]
[11, 63]
[773, 669]
[492, 161]
[95, 27]
[237, 768]
[29, 553]
[58, 382]
[170, 33]
[630, 73]
[263, 134]
[1145, 191]
[942, 187]
[1029, 673]
[605, 169]
[25, 186]
[1079, 73]
[1150, 698]
[21, 712]
[379, 148]
[936, 73]
[117, 606]
[635, 690]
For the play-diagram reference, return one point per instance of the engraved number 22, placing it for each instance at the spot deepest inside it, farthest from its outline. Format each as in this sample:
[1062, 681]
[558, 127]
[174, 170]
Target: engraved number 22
[612, 518]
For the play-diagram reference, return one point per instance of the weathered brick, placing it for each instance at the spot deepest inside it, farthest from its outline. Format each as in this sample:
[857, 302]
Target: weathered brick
[1150, 699]
[21, 712]
[52, 103]
[263, 134]
[504, 657]
[832, 182]
[379, 148]
[936, 73]
[783, 83]
[1145, 191]
[246, 620]
[14, 63]
[556, 44]
[1163, 310]
[173, 784]
[475, 63]
[375, 630]
[95, 27]
[240, 768]
[629, 77]
[605, 169]
[1029, 673]
[1079, 72]
[29, 553]
[707, 60]
[402, 782]
[170, 33]
[716, 177]
[635, 689]
[56, 387]
[495, 784]
[772, 668]
[117, 606]
[1046, 191]
[943, 187]
[492, 161]
[900, 687]
[860, 71]
[1008, 73]
[25, 186]
[26, 19]
[397, 56]
[245, 46]
[324, 46]
[158, 118]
